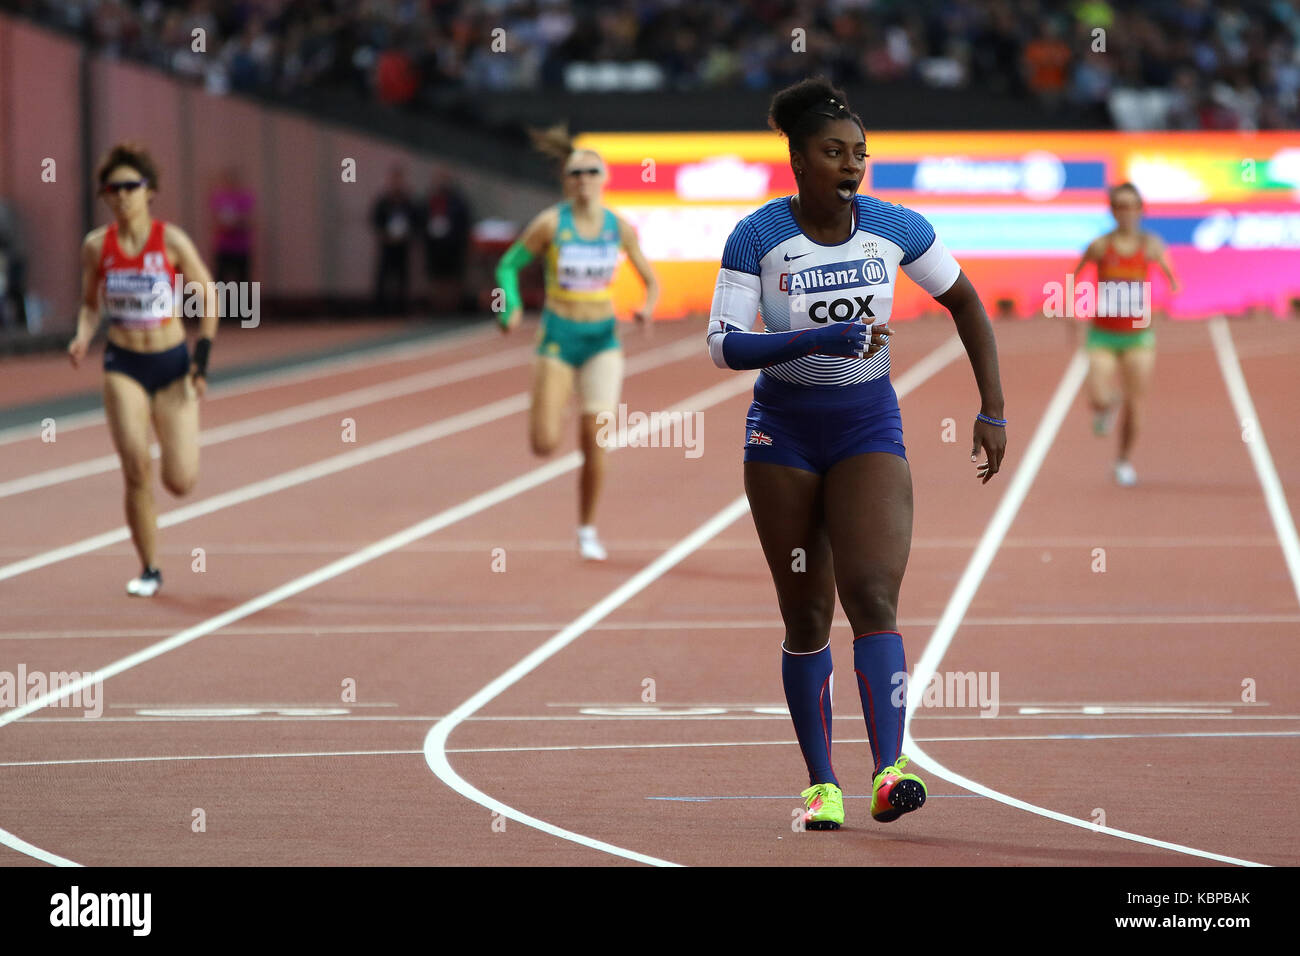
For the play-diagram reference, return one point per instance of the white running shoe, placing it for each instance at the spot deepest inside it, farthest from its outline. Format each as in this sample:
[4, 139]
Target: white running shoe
[589, 545]
[1125, 476]
[146, 585]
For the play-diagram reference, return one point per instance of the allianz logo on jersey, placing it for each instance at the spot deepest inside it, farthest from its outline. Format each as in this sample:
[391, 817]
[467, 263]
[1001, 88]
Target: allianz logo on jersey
[134, 283]
[836, 276]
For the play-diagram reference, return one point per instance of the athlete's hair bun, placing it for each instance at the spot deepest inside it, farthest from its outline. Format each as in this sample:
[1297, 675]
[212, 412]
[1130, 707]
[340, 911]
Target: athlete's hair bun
[555, 141]
[802, 109]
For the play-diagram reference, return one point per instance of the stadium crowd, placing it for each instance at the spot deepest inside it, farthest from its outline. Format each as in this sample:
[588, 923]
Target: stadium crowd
[1206, 64]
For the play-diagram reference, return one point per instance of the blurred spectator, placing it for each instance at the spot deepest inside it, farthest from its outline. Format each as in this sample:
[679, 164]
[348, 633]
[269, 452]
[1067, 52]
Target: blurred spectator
[232, 212]
[393, 217]
[1184, 100]
[395, 78]
[446, 243]
[13, 311]
[412, 52]
[1046, 60]
[997, 46]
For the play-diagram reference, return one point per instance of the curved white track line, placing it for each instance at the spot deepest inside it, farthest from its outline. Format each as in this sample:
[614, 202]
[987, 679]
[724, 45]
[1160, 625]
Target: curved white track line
[435, 742]
[964, 593]
[22, 846]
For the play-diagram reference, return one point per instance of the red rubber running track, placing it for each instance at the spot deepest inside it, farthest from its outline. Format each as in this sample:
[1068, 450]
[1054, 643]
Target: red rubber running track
[1128, 629]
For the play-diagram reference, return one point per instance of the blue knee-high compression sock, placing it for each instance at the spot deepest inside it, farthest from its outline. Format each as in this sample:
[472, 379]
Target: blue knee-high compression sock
[808, 683]
[878, 659]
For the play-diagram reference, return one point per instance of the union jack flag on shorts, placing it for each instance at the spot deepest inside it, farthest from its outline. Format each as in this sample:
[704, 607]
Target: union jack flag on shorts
[757, 437]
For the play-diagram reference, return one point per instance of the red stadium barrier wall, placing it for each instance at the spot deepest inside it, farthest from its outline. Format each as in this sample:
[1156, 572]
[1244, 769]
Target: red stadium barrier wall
[40, 158]
[312, 234]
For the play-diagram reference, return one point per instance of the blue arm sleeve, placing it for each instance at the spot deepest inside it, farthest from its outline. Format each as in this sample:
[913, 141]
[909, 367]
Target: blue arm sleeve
[743, 350]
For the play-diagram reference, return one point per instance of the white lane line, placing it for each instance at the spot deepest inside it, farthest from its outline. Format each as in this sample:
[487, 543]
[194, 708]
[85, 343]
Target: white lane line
[1098, 710]
[288, 479]
[435, 743]
[1198, 734]
[674, 745]
[73, 720]
[258, 424]
[22, 846]
[1112, 718]
[392, 445]
[997, 528]
[169, 759]
[751, 705]
[1247, 419]
[791, 741]
[1115, 541]
[344, 401]
[263, 705]
[964, 593]
[928, 365]
[503, 492]
[469, 627]
[471, 506]
[273, 378]
[1135, 703]
[718, 544]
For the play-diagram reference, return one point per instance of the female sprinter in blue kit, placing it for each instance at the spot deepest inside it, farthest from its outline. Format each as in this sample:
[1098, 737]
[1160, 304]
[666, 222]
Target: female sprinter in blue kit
[825, 466]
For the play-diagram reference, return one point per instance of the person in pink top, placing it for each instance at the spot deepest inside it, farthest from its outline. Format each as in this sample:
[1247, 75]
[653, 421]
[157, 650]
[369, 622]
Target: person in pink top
[232, 212]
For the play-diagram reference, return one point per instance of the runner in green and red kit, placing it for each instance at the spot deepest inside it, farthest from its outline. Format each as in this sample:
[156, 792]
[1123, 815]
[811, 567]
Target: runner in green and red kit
[580, 242]
[1121, 342]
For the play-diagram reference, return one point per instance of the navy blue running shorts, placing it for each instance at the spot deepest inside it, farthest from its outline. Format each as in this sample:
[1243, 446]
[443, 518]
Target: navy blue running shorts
[153, 370]
[813, 427]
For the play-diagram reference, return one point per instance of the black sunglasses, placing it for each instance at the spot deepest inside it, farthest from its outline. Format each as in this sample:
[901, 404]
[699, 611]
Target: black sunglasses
[126, 185]
[583, 172]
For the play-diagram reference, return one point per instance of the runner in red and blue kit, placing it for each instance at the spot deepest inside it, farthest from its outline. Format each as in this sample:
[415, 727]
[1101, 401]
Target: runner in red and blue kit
[826, 470]
[131, 273]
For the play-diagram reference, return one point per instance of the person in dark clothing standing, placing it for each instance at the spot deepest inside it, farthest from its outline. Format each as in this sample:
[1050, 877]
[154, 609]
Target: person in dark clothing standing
[446, 243]
[232, 210]
[13, 264]
[393, 218]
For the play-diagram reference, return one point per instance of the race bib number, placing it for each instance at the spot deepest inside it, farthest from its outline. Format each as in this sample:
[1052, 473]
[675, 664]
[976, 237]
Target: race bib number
[136, 299]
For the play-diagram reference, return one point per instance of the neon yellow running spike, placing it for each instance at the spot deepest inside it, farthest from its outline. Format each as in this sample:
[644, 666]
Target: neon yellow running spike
[894, 792]
[825, 807]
